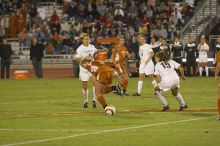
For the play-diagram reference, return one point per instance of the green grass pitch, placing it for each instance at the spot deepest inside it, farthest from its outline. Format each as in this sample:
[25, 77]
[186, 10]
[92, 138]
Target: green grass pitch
[49, 112]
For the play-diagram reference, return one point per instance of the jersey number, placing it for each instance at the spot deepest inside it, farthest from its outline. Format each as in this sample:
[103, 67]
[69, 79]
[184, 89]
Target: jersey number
[165, 65]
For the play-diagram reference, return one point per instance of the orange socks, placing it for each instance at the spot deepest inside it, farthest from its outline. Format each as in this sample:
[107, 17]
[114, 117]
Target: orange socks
[101, 100]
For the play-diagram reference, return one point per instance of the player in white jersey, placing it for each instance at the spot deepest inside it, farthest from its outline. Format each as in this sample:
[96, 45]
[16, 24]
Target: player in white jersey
[167, 78]
[146, 66]
[84, 50]
[203, 49]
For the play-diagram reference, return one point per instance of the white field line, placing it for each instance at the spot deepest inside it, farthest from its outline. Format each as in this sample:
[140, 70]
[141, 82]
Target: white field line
[87, 130]
[48, 130]
[104, 131]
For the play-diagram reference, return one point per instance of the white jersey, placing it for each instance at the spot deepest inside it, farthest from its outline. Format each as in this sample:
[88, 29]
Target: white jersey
[144, 53]
[84, 51]
[166, 70]
[203, 55]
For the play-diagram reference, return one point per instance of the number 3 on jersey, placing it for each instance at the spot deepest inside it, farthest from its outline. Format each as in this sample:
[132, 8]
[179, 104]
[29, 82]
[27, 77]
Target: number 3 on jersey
[165, 65]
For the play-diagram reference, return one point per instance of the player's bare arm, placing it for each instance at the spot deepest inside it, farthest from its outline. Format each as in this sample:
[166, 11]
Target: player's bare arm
[150, 57]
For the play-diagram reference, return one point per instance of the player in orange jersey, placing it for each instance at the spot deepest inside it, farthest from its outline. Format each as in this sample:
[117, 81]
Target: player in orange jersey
[102, 75]
[119, 54]
[217, 69]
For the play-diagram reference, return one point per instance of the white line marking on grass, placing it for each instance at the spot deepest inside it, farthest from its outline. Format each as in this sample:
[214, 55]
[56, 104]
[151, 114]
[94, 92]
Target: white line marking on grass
[104, 131]
[48, 130]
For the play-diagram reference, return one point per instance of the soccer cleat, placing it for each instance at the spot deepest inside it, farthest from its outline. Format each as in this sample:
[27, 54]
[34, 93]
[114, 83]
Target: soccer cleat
[183, 107]
[85, 105]
[118, 90]
[126, 94]
[93, 104]
[136, 94]
[165, 108]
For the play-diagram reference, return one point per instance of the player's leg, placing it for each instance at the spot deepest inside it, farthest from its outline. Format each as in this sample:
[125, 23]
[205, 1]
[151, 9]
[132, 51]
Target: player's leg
[93, 92]
[141, 79]
[175, 92]
[206, 69]
[125, 80]
[140, 84]
[85, 78]
[200, 68]
[85, 93]
[99, 93]
[162, 99]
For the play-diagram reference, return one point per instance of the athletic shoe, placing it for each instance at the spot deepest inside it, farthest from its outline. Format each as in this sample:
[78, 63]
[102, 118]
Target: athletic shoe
[136, 94]
[183, 107]
[165, 108]
[126, 94]
[117, 90]
[85, 105]
[93, 104]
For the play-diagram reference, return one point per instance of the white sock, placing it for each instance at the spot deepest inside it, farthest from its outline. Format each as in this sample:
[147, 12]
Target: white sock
[154, 83]
[161, 98]
[94, 96]
[200, 71]
[180, 99]
[140, 85]
[207, 71]
[85, 95]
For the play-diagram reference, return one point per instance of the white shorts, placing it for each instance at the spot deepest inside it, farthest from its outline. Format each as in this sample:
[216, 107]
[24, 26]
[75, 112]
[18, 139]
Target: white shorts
[84, 74]
[169, 85]
[203, 57]
[147, 69]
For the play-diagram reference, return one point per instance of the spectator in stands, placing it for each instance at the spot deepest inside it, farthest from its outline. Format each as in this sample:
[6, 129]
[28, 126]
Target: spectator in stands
[22, 38]
[13, 25]
[56, 42]
[36, 55]
[191, 50]
[65, 27]
[133, 9]
[54, 17]
[178, 17]
[2, 32]
[33, 11]
[155, 47]
[203, 49]
[5, 23]
[177, 49]
[67, 43]
[5, 54]
[55, 27]
[118, 14]
[20, 22]
[39, 34]
[42, 12]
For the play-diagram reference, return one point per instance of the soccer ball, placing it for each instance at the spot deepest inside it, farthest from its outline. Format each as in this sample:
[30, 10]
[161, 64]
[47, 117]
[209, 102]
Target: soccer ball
[110, 110]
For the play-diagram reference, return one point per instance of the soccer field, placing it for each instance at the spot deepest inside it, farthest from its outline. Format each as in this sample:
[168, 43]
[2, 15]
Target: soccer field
[49, 112]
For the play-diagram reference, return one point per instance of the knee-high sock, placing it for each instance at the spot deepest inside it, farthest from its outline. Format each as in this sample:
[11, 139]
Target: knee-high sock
[161, 98]
[140, 85]
[180, 99]
[207, 71]
[125, 84]
[200, 71]
[93, 92]
[85, 95]
[102, 101]
[154, 83]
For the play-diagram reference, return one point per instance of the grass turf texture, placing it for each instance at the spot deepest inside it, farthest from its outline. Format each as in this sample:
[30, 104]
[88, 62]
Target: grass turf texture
[49, 112]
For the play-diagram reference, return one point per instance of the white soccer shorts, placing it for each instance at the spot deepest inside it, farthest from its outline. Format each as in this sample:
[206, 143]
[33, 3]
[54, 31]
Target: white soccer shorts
[147, 69]
[203, 57]
[169, 85]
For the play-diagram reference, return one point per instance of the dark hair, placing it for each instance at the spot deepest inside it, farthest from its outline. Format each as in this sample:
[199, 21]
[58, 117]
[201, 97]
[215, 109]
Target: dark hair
[163, 55]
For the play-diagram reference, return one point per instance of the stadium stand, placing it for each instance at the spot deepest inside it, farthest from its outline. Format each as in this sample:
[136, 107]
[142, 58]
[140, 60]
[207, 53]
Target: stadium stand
[58, 23]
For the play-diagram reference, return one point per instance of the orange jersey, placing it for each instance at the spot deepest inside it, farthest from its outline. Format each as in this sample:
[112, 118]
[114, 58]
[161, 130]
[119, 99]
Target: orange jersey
[102, 71]
[119, 54]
